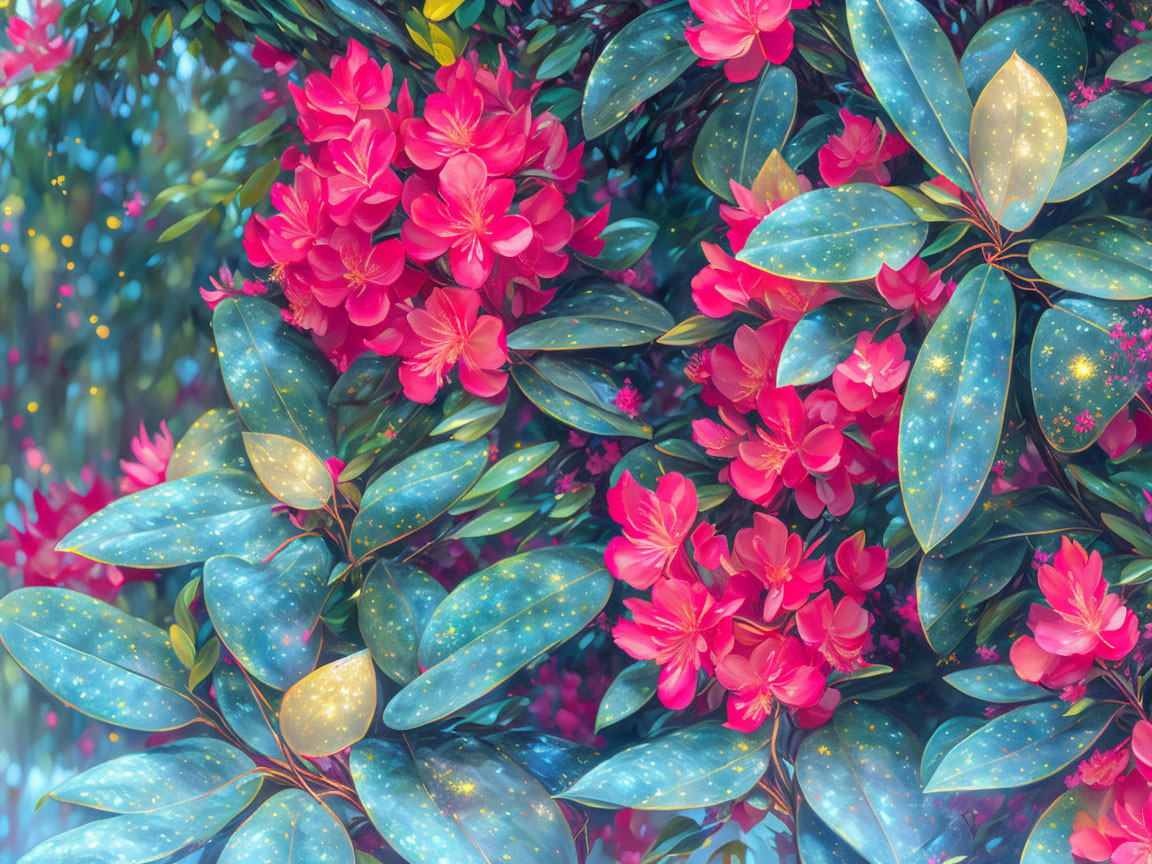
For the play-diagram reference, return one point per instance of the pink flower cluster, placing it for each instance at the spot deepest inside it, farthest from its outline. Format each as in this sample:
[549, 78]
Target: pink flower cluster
[476, 189]
[1122, 832]
[745, 33]
[859, 154]
[759, 617]
[37, 46]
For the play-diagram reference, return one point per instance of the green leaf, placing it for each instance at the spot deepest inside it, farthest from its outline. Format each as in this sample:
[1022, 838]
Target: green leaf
[183, 522]
[291, 827]
[824, 338]
[256, 722]
[396, 601]
[818, 844]
[497, 621]
[555, 762]
[1048, 841]
[267, 613]
[455, 799]
[1136, 535]
[995, 684]
[1017, 143]
[1030, 743]
[629, 691]
[1103, 136]
[179, 229]
[946, 736]
[954, 405]
[256, 187]
[96, 658]
[625, 242]
[699, 766]
[511, 468]
[331, 708]
[289, 470]
[912, 69]
[578, 392]
[646, 56]
[1133, 65]
[751, 120]
[1105, 258]
[839, 234]
[1072, 358]
[211, 443]
[503, 517]
[699, 329]
[370, 19]
[408, 496]
[601, 315]
[275, 377]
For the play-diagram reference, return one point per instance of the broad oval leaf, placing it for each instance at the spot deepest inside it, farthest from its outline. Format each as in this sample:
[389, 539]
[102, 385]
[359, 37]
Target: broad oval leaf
[255, 720]
[1017, 143]
[330, 708]
[998, 683]
[946, 736]
[629, 691]
[601, 315]
[408, 496]
[578, 392]
[1135, 64]
[824, 338]
[1103, 137]
[912, 69]
[96, 658]
[291, 827]
[699, 766]
[625, 242]
[457, 800]
[556, 762]
[511, 468]
[277, 380]
[751, 120]
[954, 405]
[267, 614]
[211, 443]
[1048, 841]
[289, 470]
[1030, 743]
[183, 522]
[1106, 258]
[818, 844]
[396, 601]
[839, 234]
[646, 56]
[495, 622]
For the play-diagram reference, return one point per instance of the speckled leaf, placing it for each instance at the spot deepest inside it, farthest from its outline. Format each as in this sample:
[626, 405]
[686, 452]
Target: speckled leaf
[1017, 143]
[1103, 137]
[836, 235]
[699, 766]
[1103, 258]
[1046, 34]
[946, 736]
[912, 69]
[578, 393]
[628, 693]
[518, 464]
[183, 522]
[495, 622]
[395, 604]
[751, 120]
[1048, 840]
[998, 683]
[602, 314]
[456, 799]
[1072, 352]
[503, 517]
[824, 338]
[291, 827]
[330, 708]
[1135, 64]
[646, 56]
[267, 613]
[289, 470]
[1030, 743]
[275, 377]
[556, 762]
[625, 242]
[246, 716]
[97, 658]
[954, 405]
[408, 496]
[818, 844]
[950, 591]
[211, 443]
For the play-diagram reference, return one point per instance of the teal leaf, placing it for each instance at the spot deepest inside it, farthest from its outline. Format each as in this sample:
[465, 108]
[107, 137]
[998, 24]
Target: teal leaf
[1103, 136]
[96, 658]
[275, 377]
[1106, 258]
[556, 762]
[998, 683]
[396, 601]
[1133, 65]
[578, 392]
[267, 614]
[255, 718]
[513, 467]
[751, 120]
[646, 56]
[1030, 743]
[946, 736]
[954, 405]
[818, 844]
[912, 69]
[625, 242]
[497, 621]
[601, 314]
[629, 691]
[183, 522]
[836, 235]
[824, 338]
[291, 827]
[698, 766]
[503, 517]
[1048, 841]
[211, 443]
[408, 496]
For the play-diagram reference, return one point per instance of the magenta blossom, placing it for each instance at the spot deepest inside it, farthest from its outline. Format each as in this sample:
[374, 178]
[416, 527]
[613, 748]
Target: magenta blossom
[656, 524]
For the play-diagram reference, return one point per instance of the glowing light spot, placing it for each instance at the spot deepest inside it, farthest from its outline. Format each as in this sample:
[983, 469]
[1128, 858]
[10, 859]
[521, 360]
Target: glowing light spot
[66, 241]
[1081, 367]
[102, 331]
[112, 222]
[33, 407]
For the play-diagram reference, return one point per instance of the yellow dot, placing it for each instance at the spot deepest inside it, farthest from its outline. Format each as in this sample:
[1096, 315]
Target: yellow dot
[93, 390]
[121, 274]
[76, 140]
[113, 737]
[4, 248]
[102, 331]
[33, 407]
[92, 319]
[66, 241]
[31, 232]
[70, 265]
[60, 179]
[112, 222]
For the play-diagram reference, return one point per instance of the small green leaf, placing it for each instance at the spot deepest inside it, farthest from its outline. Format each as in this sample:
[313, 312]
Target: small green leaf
[291, 827]
[625, 242]
[1106, 258]
[825, 337]
[331, 708]
[511, 468]
[255, 719]
[578, 392]
[629, 691]
[256, 187]
[995, 684]
[946, 736]
[600, 315]
[212, 442]
[1133, 65]
[1103, 136]
[501, 518]
[179, 229]
[396, 601]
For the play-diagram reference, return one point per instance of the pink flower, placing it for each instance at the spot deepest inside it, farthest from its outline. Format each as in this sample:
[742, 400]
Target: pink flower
[1128, 429]
[683, 628]
[445, 332]
[776, 670]
[915, 287]
[272, 58]
[362, 188]
[628, 399]
[469, 221]
[152, 456]
[742, 372]
[746, 33]
[859, 569]
[358, 88]
[779, 561]
[858, 155]
[655, 527]
[226, 287]
[1101, 769]
[870, 379]
[134, 206]
[1123, 835]
[354, 273]
[1037, 666]
[839, 634]
[35, 48]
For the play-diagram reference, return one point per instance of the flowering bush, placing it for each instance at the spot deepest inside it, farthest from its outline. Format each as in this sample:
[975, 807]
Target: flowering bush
[707, 431]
